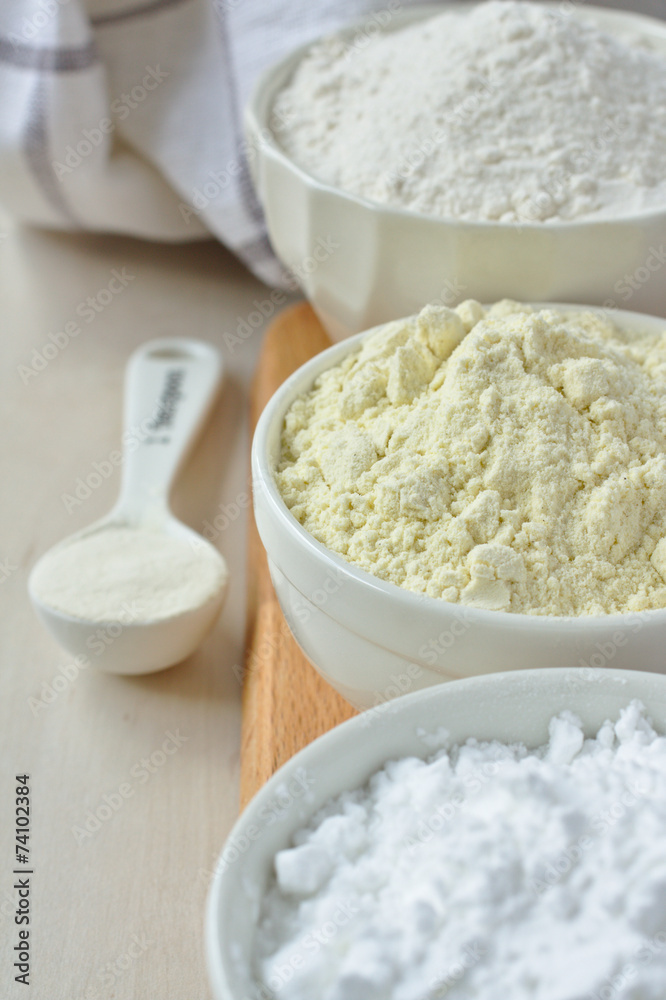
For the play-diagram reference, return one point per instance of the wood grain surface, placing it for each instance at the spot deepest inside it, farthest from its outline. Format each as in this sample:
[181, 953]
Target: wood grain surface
[286, 704]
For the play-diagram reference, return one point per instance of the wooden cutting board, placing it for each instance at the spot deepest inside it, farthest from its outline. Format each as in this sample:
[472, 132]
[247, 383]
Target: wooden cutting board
[286, 704]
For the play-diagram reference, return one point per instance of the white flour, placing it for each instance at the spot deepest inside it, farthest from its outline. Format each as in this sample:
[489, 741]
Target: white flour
[485, 872]
[510, 113]
[126, 575]
[504, 459]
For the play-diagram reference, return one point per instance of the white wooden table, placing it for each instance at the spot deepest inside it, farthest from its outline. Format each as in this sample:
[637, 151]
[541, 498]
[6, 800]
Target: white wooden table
[133, 781]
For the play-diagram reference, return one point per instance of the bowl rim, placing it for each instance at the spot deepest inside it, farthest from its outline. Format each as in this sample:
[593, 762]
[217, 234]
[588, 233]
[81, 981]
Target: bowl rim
[544, 682]
[265, 487]
[261, 137]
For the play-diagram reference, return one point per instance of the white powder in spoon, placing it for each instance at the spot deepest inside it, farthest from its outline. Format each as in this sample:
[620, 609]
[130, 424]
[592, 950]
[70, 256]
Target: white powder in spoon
[486, 872]
[127, 575]
[510, 112]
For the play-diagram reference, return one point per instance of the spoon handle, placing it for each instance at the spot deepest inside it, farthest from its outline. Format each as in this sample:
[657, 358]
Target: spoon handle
[170, 386]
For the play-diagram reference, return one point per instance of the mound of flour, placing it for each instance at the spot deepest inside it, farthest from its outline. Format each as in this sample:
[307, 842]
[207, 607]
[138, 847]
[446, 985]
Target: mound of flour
[510, 112]
[123, 574]
[487, 871]
[503, 458]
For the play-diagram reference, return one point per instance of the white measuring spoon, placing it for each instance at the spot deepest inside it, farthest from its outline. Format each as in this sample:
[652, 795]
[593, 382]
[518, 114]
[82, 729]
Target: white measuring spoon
[170, 387]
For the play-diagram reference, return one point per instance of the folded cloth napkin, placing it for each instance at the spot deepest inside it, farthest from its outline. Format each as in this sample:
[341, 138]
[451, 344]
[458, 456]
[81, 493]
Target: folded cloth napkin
[126, 115]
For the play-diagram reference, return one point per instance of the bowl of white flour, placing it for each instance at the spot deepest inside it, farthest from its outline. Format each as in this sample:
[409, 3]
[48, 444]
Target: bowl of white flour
[468, 150]
[500, 836]
[471, 490]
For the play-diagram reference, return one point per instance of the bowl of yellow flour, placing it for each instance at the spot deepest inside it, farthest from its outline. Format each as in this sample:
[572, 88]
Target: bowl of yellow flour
[471, 490]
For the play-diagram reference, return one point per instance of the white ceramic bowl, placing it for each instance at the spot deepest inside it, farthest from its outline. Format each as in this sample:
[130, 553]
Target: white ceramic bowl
[506, 707]
[361, 264]
[373, 640]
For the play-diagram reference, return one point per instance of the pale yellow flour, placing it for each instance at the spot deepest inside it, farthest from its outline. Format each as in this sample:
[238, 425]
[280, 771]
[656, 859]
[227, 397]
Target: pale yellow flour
[503, 458]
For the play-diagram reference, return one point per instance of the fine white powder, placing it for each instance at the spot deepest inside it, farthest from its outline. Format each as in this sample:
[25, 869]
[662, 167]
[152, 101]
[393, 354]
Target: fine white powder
[511, 112]
[128, 575]
[487, 871]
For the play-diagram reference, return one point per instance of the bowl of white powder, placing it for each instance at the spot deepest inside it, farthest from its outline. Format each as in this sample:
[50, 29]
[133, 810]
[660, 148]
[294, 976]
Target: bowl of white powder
[471, 490]
[500, 836]
[468, 150]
